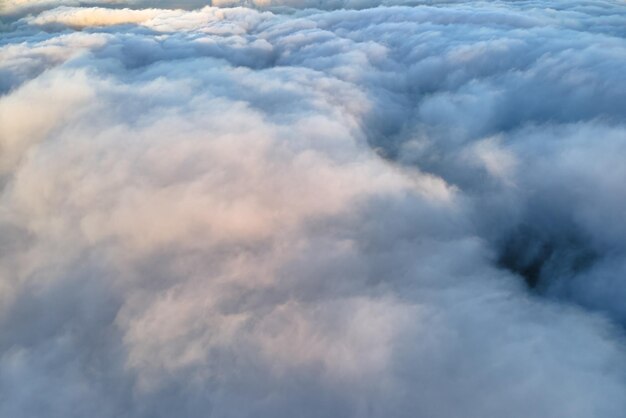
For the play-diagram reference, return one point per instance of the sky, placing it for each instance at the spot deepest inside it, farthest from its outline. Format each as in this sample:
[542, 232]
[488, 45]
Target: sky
[309, 208]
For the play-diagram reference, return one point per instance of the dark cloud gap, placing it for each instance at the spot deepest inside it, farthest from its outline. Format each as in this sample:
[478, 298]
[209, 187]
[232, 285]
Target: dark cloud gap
[537, 258]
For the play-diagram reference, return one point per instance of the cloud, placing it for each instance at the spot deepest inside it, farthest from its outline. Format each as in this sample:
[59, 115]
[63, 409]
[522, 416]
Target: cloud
[355, 209]
[81, 18]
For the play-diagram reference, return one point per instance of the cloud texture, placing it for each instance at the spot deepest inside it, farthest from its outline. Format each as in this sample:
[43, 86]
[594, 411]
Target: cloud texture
[306, 208]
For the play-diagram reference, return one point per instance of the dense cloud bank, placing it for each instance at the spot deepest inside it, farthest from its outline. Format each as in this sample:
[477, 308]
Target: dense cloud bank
[360, 209]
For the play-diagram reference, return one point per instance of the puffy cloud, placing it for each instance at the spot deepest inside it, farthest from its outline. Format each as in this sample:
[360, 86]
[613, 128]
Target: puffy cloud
[84, 17]
[312, 209]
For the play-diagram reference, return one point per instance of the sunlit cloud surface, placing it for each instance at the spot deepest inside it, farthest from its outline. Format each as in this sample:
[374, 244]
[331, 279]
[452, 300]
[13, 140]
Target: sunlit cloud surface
[304, 208]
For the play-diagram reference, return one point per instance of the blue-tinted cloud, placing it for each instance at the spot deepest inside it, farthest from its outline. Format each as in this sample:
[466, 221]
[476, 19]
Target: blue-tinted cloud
[297, 208]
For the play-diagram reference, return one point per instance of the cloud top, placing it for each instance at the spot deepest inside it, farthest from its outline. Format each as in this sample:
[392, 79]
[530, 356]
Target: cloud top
[293, 208]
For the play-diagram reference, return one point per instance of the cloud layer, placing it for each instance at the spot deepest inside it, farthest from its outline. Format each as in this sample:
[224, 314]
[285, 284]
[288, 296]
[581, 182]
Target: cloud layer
[299, 208]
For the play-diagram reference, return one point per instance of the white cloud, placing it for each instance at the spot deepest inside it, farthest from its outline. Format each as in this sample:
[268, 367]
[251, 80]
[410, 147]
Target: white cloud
[258, 211]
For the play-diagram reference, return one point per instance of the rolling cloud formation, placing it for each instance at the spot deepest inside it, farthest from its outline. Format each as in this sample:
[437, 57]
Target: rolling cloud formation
[344, 208]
